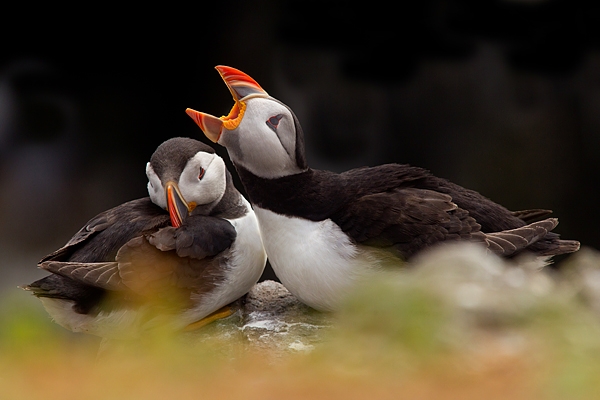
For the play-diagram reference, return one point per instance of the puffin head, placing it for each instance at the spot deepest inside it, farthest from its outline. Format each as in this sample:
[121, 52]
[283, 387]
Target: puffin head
[185, 176]
[260, 133]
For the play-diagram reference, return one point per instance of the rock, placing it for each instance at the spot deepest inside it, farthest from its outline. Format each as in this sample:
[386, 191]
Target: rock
[270, 297]
[268, 320]
[275, 320]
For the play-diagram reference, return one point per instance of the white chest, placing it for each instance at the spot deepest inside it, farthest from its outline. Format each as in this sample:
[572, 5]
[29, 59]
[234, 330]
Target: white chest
[315, 261]
[248, 256]
[246, 262]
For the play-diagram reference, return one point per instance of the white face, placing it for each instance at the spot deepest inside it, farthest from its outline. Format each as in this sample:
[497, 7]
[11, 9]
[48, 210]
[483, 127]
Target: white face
[265, 140]
[156, 189]
[202, 181]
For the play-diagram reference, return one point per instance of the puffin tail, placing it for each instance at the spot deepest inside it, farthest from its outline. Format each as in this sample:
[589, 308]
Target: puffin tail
[538, 235]
[559, 246]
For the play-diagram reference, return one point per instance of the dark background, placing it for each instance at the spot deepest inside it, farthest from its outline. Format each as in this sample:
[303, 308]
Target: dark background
[499, 96]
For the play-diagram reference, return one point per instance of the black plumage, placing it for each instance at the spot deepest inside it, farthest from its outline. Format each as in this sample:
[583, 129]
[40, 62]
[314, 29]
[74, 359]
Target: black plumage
[402, 207]
[132, 254]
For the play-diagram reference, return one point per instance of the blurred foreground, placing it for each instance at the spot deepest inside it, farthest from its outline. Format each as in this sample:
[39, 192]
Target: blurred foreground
[458, 324]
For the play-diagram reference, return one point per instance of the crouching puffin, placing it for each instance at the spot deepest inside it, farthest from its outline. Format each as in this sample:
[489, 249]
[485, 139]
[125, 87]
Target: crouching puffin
[324, 230]
[178, 257]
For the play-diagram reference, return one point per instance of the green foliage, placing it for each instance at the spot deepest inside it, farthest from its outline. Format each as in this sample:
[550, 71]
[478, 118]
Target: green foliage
[24, 324]
[388, 322]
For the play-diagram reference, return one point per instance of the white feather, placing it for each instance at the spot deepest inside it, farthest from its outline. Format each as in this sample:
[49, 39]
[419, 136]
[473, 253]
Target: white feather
[316, 261]
[211, 187]
[118, 324]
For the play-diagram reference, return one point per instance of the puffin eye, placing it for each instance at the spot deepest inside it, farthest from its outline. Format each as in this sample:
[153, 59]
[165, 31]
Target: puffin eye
[274, 121]
[201, 173]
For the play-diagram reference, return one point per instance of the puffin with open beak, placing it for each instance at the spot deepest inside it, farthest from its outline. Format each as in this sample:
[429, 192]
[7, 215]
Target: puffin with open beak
[178, 257]
[323, 230]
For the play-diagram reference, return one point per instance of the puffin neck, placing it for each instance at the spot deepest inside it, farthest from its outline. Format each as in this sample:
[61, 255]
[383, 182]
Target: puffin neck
[305, 194]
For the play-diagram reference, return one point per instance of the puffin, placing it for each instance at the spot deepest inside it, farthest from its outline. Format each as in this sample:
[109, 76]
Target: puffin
[176, 258]
[323, 231]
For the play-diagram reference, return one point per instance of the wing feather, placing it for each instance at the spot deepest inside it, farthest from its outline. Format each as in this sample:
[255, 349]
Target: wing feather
[103, 275]
[405, 218]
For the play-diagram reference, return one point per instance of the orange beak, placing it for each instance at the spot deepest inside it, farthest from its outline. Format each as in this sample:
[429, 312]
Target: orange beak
[242, 87]
[177, 206]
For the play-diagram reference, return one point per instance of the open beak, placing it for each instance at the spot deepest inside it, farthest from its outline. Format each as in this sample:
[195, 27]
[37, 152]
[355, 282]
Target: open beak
[241, 87]
[177, 206]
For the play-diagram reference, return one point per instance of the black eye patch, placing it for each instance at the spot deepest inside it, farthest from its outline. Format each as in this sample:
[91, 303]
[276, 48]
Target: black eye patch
[274, 121]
